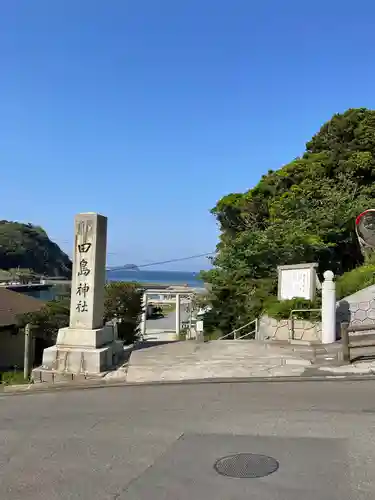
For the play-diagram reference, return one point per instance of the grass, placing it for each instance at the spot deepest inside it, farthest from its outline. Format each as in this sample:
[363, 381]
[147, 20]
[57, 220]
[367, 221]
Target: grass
[214, 335]
[13, 377]
[353, 281]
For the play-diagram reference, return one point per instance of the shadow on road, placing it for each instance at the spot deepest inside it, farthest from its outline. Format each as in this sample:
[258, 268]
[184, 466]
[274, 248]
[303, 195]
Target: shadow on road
[156, 316]
[151, 343]
[364, 357]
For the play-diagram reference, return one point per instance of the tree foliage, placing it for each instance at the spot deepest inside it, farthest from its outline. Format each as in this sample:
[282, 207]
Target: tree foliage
[27, 246]
[285, 309]
[53, 316]
[122, 301]
[356, 279]
[303, 212]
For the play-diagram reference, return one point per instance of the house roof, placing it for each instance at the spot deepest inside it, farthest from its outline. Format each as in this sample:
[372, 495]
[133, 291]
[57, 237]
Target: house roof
[13, 304]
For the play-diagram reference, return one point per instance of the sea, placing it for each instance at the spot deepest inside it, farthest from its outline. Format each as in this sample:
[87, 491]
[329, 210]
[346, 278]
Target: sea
[156, 277]
[152, 277]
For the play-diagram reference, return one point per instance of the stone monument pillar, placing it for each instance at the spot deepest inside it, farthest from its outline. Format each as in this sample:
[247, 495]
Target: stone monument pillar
[87, 346]
[144, 315]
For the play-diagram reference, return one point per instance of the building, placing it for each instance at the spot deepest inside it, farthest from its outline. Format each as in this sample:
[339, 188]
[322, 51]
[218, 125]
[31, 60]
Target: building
[12, 338]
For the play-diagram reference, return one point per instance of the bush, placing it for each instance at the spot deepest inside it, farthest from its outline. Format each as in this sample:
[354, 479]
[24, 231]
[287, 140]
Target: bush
[13, 378]
[53, 316]
[123, 301]
[212, 335]
[355, 280]
[281, 309]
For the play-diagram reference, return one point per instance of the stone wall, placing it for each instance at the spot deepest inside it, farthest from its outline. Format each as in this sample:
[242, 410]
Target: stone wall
[358, 308]
[273, 329]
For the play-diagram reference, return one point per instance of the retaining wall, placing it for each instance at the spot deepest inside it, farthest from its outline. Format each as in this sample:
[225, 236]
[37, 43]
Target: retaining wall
[271, 328]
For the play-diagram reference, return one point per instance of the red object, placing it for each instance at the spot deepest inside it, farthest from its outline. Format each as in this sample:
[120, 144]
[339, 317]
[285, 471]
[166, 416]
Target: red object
[358, 219]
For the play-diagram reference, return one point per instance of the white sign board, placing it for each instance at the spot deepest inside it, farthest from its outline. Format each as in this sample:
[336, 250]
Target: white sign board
[297, 281]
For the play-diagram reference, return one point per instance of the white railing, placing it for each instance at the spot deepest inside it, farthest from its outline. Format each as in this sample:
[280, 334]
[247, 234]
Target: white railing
[235, 332]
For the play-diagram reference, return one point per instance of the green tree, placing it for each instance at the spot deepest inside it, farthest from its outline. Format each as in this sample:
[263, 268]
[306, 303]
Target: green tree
[28, 247]
[53, 316]
[304, 212]
[123, 301]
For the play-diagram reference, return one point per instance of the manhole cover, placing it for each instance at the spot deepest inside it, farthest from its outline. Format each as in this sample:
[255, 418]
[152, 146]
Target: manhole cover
[246, 465]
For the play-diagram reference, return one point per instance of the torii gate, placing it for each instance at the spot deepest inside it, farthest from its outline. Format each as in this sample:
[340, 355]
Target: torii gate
[177, 293]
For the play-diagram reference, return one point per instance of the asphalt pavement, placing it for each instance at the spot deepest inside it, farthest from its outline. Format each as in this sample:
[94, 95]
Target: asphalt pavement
[167, 322]
[162, 442]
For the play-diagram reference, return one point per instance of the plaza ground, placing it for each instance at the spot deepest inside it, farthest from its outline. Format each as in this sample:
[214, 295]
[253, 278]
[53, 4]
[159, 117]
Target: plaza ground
[161, 442]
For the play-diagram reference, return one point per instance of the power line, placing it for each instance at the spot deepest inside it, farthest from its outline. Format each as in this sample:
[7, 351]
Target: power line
[165, 261]
[180, 259]
[123, 252]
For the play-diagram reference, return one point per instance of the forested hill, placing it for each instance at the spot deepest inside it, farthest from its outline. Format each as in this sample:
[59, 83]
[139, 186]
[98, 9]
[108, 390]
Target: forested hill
[27, 246]
[302, 212]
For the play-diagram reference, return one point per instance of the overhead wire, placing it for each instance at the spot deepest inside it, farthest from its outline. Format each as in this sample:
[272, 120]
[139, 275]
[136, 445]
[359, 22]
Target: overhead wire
[196, 256]
[149, 264]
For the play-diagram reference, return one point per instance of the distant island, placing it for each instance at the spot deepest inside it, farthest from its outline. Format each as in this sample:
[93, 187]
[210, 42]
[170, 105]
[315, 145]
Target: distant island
[26, 246]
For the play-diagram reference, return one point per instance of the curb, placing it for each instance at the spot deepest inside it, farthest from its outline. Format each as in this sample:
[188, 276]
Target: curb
[41, 388]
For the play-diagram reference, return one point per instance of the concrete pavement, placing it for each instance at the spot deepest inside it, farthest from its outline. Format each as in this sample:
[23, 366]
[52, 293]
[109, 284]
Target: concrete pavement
[220, 359]
[191, 360]
[168, 322]
[164, 329]
[162, 360]
[161, 442]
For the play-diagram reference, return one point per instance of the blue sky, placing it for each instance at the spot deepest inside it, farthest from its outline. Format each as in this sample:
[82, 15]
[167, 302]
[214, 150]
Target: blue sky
[149, 111]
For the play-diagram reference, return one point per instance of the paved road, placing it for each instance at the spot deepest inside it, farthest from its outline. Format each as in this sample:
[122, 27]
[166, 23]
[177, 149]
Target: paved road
[160, 443]
[168, 322]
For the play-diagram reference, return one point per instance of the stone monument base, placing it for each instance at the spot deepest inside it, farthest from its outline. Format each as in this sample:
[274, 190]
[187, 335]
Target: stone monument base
[97, 353]
[85, 338]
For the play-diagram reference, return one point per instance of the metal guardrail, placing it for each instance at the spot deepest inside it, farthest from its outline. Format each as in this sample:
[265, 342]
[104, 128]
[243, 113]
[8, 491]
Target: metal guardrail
[234, 332]
[292, 318]
[357, 341]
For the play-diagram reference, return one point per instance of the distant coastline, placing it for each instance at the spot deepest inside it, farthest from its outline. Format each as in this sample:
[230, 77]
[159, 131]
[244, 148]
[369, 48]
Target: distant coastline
[158, 280]
[156, 277]
[149, 278]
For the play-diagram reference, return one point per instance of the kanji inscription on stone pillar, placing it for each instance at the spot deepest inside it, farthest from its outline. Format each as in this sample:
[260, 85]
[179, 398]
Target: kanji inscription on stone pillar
[88, 275]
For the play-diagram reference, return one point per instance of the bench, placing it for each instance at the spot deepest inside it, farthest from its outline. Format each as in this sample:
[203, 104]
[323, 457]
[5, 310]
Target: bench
[349, 342]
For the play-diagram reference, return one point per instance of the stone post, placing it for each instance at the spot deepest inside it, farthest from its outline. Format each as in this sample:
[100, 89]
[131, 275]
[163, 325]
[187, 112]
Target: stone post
[199, 329]
[115, 328]
[190, 311]
[144, 315]
[328, 308]
[27, 353]
[178, 311]
[87, 345]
